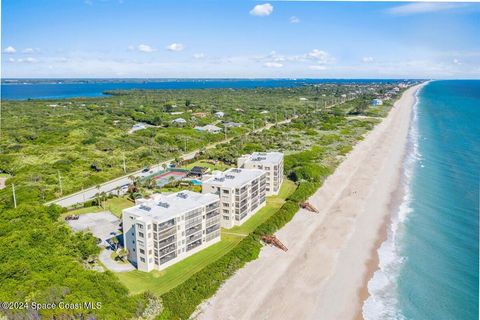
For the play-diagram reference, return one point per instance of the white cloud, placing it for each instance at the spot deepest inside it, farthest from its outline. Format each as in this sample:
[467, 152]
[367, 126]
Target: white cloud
[9, 49]
[262, 10]
[317, 67]
[27, 60]
[273, 64]
[294, 19]
[422, 7]
[320, 56]
[456, 61]
[11, 60]
[29, 50]
[367, 59]
[145, 48]
[175, 47]
[199, 55]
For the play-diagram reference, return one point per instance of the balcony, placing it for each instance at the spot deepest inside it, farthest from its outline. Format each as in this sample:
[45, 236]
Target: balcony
[193, 229]
[167, 250]
[213, 214]
[166, 242]
[213, 228]
[166, 234]
[194, 244]
[168, 257]
[166, 225]
[194, 237]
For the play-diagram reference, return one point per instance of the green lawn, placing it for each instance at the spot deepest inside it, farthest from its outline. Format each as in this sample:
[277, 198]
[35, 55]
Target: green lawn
[114, 205]
[160, 282]
[202, 163]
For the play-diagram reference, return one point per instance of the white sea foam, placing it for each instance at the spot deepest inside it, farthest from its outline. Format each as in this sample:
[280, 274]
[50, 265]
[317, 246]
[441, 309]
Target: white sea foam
[382, 302]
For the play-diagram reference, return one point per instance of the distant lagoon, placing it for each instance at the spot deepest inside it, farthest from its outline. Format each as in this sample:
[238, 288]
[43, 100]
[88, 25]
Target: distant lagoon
[23, 89]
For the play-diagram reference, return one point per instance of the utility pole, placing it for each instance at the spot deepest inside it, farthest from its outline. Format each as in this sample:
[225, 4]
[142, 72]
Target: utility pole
[14, 197]
[60, 182]
[124, 165]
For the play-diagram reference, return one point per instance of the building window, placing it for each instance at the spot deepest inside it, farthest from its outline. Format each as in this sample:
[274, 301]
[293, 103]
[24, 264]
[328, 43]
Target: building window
[226, 191]
[149, 226]
[150, 251]
[142, 259]
[139, 226]
[133, 249]
[226, 218]
[142, 251]
[226, 211]
[226, 204]
[140, 234]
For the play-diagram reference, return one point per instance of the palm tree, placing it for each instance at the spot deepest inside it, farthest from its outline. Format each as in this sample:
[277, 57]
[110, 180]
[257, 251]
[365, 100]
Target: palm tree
[114, 242]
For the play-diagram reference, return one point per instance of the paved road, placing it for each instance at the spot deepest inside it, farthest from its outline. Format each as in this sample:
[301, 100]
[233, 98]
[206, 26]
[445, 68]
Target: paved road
[112, 185]
[111, 264]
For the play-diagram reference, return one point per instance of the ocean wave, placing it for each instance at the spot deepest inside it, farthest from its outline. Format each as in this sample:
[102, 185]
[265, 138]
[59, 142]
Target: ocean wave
[382, 302]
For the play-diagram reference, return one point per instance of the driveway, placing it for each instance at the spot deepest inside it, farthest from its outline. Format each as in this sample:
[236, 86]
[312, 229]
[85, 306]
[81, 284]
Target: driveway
[112, 265]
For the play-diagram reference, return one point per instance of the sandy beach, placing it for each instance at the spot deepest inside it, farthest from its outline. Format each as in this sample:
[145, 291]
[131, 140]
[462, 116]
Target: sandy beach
[332, 254]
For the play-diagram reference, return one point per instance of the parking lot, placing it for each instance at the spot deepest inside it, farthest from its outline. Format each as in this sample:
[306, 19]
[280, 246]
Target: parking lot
[102, 225]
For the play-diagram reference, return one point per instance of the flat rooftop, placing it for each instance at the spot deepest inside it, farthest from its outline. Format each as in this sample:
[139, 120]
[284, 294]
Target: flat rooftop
[234, 177]
[265, 157]
[161, 207]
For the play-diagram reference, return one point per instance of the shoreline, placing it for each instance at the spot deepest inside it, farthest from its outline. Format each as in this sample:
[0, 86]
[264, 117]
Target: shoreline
[335, 251]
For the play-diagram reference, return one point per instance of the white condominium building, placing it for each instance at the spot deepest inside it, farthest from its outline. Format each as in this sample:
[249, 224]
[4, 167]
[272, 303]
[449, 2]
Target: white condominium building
[241, 191]
[165, 229]
[271, 163]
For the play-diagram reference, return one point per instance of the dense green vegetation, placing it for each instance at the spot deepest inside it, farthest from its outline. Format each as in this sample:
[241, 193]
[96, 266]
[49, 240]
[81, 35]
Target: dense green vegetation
[43, 261]
[83, 141]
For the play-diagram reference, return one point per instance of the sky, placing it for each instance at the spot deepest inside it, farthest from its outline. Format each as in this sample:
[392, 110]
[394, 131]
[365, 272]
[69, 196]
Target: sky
[239, 39]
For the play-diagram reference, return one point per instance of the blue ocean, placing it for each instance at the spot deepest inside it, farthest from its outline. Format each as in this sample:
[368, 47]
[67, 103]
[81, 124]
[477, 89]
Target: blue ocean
[430, 262]
[22, 89]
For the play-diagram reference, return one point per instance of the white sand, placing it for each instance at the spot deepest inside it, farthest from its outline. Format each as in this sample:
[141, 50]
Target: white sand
[325, 268]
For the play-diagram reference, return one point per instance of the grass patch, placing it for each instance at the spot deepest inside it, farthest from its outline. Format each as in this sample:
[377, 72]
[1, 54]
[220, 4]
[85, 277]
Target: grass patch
[116, 205]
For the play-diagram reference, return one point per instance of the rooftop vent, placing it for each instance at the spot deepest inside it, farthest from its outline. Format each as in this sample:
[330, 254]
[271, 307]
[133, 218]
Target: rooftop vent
[219, 179]
[163, 204]
[182, 195]
[145, 208]
[229, 176]
[236, 170]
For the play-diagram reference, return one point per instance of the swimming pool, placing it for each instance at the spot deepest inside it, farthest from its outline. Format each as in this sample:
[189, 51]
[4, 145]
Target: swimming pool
[196, 182]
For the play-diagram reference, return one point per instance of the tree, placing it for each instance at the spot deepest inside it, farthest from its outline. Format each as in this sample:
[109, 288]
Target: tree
[114, 242]
[122, 254]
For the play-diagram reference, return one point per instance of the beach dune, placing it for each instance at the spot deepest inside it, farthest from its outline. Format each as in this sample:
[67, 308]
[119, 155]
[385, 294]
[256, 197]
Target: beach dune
[332, 254]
